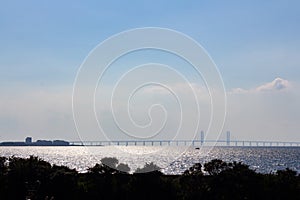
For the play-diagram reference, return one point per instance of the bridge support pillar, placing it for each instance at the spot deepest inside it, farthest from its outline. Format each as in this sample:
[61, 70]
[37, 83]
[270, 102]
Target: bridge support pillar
[202, 137]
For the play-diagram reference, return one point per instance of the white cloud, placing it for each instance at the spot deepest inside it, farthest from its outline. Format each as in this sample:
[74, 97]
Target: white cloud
[278, 84]
[270, 111]
[238, 91]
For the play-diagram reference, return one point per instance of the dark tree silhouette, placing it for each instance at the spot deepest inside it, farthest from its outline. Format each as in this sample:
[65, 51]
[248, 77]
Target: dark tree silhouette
[33, 178]
[149, 168]
[110, 162]
[123, 168]
[196, 169]
[214, 167]
[3, 167]
[110, 166]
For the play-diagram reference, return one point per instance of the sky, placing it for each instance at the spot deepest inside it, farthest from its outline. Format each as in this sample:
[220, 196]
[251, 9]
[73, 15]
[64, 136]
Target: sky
[254, 44]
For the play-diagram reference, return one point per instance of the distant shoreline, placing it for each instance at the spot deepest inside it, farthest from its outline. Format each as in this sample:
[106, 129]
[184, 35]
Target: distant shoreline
[37, 145]
[28, 142]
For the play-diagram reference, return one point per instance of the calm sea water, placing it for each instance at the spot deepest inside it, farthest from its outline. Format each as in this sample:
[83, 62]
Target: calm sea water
[173, 160]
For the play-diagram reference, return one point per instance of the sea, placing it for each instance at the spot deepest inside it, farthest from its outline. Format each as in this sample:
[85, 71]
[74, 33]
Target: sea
[171, 159]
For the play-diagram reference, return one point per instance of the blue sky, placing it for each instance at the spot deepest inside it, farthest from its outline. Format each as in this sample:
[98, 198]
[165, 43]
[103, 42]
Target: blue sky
[44, 42]
[50, 37]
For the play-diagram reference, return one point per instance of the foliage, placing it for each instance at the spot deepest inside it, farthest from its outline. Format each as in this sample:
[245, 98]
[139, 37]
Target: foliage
[149, 168]
[214, 167]
[33, 178]
[109, 166]
[196, 169]
[3, 166]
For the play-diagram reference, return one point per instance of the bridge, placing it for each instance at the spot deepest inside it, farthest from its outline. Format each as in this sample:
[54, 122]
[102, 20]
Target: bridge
[200, 142]
[237, 143]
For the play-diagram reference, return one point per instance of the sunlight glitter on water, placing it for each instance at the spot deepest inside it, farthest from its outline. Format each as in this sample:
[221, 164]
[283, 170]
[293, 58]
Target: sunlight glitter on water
[173, 160]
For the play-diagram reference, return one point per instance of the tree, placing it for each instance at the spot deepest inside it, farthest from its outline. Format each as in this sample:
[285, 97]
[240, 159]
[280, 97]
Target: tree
[110, 162]
[123, 168]
[3, 167]
[149, 168]
[215, 166]
[196, 169]
[109, 166]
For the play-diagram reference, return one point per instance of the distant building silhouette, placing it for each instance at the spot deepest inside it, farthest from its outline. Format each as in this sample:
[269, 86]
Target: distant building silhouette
[43, 143]
[60, 143]
[28, 140]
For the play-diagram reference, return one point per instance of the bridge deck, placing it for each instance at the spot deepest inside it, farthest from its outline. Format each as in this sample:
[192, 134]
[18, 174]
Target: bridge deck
[185, 143]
